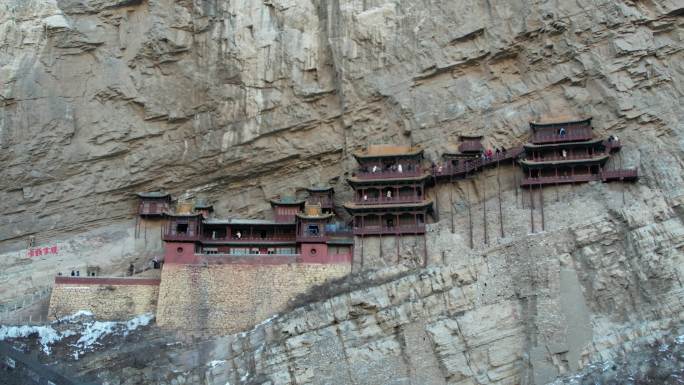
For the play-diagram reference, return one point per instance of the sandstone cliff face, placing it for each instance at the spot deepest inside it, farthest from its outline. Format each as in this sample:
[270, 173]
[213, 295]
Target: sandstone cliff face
[241, 100]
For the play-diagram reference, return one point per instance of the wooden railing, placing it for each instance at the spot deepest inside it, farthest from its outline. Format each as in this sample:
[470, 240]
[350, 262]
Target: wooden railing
[605, 175]
[534, 181]
[385, 200]
[252, 239]
[571, 135]
[171, 236]
[312, 238]
[551, 158]
[467, 166]
[609, 175]
[377, 230]
[325, 202]
[612, 145]
[389, 174]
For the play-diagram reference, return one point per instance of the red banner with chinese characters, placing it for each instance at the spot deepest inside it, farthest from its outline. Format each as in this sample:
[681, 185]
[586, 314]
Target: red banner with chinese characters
[40, 251]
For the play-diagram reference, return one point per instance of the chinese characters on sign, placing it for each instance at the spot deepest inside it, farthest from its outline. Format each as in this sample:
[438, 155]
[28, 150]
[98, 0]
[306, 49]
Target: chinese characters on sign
[40, 251]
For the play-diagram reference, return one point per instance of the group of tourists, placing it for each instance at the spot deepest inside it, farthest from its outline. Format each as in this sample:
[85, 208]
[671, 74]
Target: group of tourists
[393, 167]
[488, 154]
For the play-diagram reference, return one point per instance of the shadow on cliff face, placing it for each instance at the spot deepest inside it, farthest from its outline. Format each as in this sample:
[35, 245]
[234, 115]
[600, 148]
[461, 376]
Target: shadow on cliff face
[349, 283]
[658, 361]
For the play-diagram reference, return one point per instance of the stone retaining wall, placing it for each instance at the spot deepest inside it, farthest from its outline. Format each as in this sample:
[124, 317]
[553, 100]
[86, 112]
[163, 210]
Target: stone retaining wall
[106, 298]
[234, 297]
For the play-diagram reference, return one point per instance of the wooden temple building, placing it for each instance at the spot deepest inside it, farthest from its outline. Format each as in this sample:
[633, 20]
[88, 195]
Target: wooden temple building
[567, 152]
[299, 230]
[389, 192]
[153, 204]
[389, 197]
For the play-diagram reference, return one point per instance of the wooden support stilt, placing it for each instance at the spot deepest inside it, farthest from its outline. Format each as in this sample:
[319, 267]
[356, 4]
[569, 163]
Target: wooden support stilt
[484, 209]
[361, 252]
[541, 205]
[531, 194]
[622, 180]
[380, 237]
[397, 239]
[522, 197]
[451, 206]
[425, 253]
[515, 184]
[498, 184]
[470, 218]
[556, 192]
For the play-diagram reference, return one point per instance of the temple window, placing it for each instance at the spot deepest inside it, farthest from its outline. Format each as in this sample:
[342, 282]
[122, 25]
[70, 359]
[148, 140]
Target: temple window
[182, 228]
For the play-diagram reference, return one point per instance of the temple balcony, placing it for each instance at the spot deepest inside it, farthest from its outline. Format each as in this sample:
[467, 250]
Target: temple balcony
[278, 238]
[612, 145]
[173, 236]
[571, 135]
[553, 159]
[315, 238]
[605, 176]
[617, 175]
[389, 174]
[325, 202]
[384, 200]
[390, 230]
[561, 179]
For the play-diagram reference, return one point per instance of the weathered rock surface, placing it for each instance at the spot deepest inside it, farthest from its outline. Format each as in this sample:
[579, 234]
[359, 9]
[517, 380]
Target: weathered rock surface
[241, 100]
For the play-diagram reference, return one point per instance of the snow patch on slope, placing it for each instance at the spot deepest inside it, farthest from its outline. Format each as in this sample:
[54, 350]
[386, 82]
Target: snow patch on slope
[91, 332]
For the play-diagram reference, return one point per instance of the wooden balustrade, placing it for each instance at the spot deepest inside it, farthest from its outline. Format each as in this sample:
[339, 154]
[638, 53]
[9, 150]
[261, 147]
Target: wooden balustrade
[381, 230]
[387, 174]
[385, 200]
[571, 135]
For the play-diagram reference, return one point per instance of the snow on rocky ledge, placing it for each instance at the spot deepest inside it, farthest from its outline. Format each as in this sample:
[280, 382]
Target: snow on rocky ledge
[81, 324]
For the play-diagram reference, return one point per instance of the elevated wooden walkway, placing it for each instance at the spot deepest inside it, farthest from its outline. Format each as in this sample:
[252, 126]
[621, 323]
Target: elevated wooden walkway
[466, 167]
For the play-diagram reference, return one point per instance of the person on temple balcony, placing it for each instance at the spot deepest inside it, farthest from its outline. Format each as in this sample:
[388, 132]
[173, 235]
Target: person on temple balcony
[564, 153]
[561, 132]
[399, 168]
[497, 152]
[365, 197]
[615, 138]
[389, 194]
[439, 168]
[375, 168]
[238, 235]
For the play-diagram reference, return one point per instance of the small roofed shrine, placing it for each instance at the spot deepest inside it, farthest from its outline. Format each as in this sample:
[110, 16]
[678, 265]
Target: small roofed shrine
[297, 231]
[153, 204]
[566, 152]
[286, 208]
[470, 144]
[389, 192]
[204, 208]
[323, 196]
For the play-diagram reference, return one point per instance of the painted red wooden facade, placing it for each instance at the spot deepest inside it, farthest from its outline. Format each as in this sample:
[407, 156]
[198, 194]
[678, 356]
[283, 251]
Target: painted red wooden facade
[296, 232]
[566, 152]
[389, 192]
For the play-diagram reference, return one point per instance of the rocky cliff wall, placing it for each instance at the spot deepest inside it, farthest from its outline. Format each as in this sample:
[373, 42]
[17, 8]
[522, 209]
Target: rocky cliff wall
[242, 100]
